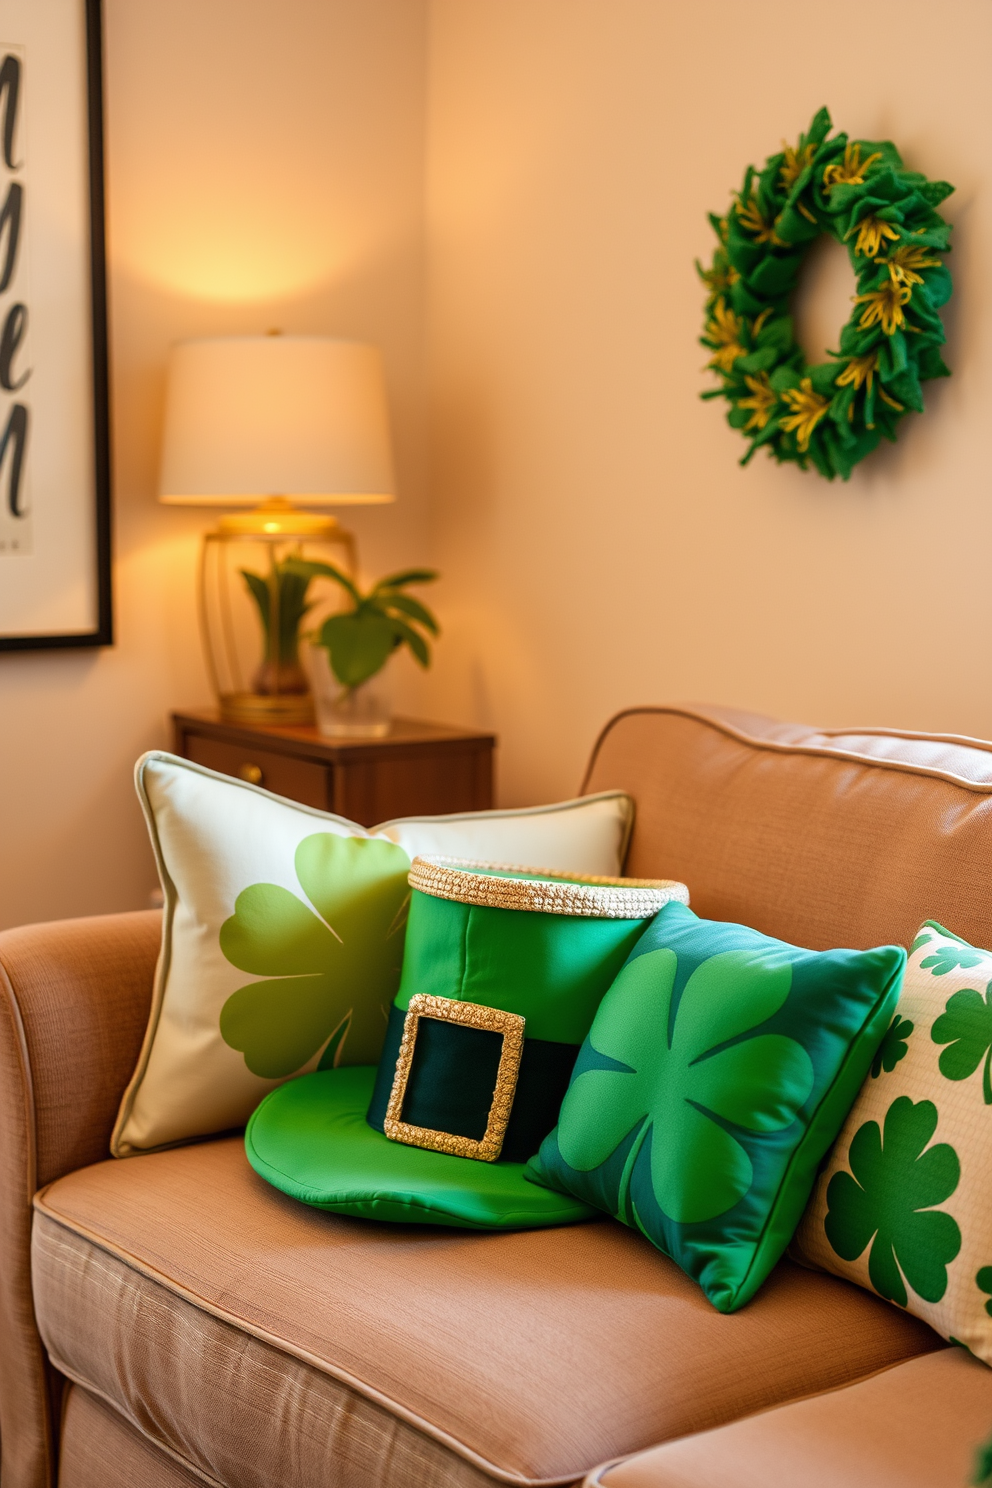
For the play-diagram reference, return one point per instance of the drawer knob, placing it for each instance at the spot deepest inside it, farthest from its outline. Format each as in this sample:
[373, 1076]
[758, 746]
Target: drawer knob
[252, 773]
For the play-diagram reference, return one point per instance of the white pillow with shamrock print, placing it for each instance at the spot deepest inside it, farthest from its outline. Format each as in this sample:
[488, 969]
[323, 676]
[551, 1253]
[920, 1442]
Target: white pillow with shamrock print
[903, 1204]
[283, 931]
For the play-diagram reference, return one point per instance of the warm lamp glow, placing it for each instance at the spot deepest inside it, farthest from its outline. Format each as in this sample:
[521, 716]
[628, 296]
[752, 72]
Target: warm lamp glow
[254, 417]
[278, 518]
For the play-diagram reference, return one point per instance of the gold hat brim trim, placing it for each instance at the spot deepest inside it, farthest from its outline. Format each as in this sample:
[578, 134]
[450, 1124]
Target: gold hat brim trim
[549, 893]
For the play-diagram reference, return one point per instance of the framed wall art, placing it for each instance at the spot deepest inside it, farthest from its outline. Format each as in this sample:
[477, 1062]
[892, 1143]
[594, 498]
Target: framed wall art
[54, 434]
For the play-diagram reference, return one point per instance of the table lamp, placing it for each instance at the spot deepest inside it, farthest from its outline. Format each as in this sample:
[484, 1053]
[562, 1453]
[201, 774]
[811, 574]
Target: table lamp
[274, 426]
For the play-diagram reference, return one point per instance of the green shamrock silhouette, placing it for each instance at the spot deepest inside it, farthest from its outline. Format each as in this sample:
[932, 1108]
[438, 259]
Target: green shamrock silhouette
[681, 1077]
[888, 1203]
[893, 1046]
[921, 940]
[332, 972]
[965, 1026]
[946, 957]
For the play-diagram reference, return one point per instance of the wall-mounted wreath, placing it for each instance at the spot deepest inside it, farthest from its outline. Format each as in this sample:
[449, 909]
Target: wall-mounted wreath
[834, 413]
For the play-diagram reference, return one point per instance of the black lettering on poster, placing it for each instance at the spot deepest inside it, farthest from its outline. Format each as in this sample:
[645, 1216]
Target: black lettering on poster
[15, 413]
[10, 98]
[10, 233]
[14, 438]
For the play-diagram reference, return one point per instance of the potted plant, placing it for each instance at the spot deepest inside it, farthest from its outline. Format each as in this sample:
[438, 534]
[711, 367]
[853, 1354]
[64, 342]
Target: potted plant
[352, 646]
[281, 600]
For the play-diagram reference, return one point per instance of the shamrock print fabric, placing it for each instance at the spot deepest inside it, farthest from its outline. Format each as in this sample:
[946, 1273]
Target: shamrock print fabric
[902, 1204]
[717, 1072]
[272, 911]
[336, 964]
[885, 1205]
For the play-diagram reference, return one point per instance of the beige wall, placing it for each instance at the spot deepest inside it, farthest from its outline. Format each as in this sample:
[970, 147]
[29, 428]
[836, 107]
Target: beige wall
[264, 169]
[600, 544]
[604, 549]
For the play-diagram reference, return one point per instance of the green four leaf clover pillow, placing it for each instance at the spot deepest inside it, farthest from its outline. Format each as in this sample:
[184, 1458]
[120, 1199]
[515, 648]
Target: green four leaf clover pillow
[904, 1204]
[718, 1070]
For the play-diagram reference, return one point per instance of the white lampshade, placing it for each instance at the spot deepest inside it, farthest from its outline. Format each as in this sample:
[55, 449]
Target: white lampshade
[250, 417]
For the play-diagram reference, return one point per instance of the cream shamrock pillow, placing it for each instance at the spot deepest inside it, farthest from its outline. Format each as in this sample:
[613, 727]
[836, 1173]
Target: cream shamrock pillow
[904, 1204]
[283, 933]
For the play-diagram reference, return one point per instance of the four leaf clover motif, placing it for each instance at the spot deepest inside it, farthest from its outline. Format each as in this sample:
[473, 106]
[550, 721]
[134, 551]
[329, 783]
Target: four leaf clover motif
[887, 1200]
[331, 965]
[946, 957]
[965, 1026]
[681, 1078]
[893, 1046]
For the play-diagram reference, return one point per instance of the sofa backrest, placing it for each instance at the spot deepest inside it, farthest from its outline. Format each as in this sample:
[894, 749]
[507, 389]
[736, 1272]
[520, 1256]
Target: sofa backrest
[821, 837]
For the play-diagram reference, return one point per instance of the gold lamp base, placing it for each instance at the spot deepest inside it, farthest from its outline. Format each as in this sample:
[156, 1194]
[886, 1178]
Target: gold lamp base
[274, 691]
[256, 707]
[278, 517]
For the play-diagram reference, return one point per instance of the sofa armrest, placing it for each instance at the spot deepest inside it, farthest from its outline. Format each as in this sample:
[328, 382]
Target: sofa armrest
[74, 1003]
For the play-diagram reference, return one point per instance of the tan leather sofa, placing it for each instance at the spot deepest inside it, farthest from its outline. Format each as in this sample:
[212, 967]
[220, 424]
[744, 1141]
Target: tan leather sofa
[170, 1320]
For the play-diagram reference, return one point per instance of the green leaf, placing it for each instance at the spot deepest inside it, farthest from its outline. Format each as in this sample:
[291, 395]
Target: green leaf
[287, 587]
[405, 577]
[259, 591]
[776, 277]
[412, 607]
[887, 1200]
[685, 1081]
[932, 364]
[935, 191]
[357, 646]
[331, 962]
[411, 638]
[313, 569]
[757, 361]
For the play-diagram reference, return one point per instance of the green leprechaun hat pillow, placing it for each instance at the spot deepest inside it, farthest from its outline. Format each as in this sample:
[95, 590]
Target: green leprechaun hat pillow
[503, 972]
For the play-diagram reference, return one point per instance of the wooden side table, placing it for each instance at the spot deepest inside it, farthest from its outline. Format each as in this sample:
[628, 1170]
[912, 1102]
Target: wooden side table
[419, 769]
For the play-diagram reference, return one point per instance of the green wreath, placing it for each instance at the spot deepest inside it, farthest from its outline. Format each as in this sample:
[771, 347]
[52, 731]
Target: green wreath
[834, 413]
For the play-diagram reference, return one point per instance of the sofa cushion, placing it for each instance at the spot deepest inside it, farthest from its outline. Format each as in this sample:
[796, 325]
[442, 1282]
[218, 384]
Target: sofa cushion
[818, 837]
[99, 1449]
[204, 1304]
[915, 1426]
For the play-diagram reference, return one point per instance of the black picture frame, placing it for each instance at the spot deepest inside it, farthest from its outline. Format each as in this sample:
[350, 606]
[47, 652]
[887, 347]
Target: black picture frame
[102, 632]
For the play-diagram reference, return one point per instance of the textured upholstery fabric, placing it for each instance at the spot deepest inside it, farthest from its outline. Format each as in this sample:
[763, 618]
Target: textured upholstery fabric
[530, 1355]
[916, 1426]
[822, 839]
[100, 1450]
[74, 1001]
[364, 1448]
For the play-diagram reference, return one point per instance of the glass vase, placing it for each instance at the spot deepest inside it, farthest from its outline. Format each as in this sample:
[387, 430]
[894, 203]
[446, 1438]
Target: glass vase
[362, 712]
[252, 609]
